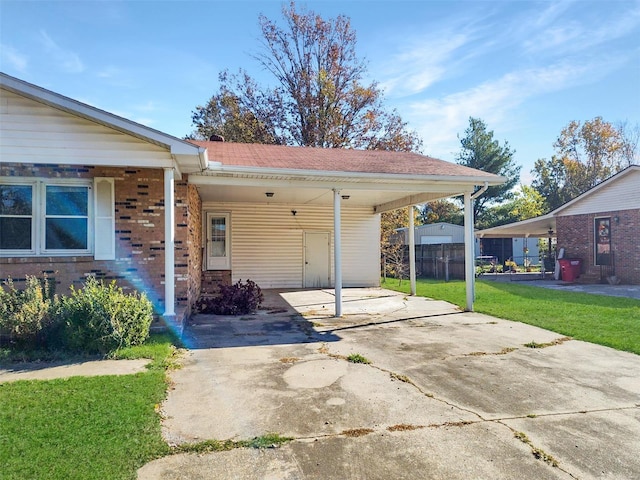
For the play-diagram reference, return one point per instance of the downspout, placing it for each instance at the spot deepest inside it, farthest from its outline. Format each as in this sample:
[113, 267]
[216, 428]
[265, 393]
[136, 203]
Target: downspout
[469, 243]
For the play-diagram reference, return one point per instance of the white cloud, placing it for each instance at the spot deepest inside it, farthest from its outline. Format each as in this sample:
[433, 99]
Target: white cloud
[108, 72]
[581, 33]
[13, 58]
[149, 106]
[67, 60]
[423, 63]
[440, 120]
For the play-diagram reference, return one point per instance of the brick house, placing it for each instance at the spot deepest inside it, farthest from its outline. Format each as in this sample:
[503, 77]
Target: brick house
[601, 227]
[83, 192]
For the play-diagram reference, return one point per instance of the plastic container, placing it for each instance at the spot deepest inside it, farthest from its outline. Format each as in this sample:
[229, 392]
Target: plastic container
[570, 268]
[576, 264]
[566, 270]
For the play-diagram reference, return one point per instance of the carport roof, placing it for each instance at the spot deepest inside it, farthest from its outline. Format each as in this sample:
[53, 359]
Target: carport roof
[533, 227]
[337, 160]
[383, 180]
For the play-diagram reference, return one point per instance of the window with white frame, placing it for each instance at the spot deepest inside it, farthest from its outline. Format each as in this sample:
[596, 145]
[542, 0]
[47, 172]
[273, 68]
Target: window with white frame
[16, 217]
[218, 241]
[48, 216]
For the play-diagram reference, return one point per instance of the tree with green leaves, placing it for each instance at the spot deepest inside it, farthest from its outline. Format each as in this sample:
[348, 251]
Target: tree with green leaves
[586, 154]
[441, 211]
[482, 152]
[526, 203]
[320, 98]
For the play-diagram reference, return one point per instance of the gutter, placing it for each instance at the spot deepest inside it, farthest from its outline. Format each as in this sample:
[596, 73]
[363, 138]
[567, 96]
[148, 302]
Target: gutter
[220, 168]
[481, 191]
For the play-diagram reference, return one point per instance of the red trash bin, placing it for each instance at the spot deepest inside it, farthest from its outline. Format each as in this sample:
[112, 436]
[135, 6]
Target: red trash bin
[576, 264]
[566, 270]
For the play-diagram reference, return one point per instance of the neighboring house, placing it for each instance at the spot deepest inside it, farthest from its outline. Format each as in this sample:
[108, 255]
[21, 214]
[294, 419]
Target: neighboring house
[517, 248]
[83, 192]
[435, 233]
[601, 227]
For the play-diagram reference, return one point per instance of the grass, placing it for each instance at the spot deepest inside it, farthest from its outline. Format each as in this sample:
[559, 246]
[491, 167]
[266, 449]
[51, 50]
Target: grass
[86, 427]
[271, 440]
[357, 358]
[610, 321]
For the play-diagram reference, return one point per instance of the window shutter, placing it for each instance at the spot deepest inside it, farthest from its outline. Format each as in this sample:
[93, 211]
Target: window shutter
[105, 224]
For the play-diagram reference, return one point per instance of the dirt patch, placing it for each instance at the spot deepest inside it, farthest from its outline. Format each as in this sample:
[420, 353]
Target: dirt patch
[357, 432]
[403, 427]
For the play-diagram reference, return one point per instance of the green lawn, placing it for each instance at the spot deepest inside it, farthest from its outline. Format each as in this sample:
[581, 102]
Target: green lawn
[610, 321]
[85, 427]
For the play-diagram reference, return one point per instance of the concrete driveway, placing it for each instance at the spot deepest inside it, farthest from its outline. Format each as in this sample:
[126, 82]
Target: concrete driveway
[447, 395]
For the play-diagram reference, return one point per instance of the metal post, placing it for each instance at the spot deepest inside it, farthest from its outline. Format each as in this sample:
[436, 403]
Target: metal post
[469, 263]
[337, 253]
[412, 251]
[169, 244]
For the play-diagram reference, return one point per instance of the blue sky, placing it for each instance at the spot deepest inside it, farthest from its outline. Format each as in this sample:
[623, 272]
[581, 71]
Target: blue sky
[525, 68]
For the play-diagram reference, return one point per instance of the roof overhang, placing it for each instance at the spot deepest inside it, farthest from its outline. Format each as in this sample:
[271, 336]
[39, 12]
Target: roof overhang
[188, 158]
[380, 192]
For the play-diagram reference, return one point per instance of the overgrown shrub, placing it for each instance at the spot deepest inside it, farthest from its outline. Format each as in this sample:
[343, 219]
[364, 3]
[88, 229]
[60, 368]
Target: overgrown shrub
[100, 318]
[25, 315]
[237, 299]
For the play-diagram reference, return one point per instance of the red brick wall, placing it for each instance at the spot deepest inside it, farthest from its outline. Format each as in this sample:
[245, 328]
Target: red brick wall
[194, 245]
[212, 278]
[575, 234]
[139, 209]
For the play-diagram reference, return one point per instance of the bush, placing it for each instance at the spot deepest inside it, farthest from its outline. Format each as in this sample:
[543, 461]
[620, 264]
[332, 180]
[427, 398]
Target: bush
[101, 318]
[236, 299]
[25, 315]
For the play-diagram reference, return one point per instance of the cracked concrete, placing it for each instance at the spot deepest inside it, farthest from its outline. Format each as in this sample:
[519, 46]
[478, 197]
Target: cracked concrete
[444, 397]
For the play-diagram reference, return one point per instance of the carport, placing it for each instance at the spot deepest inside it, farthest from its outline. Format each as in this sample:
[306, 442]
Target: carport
[356, 183]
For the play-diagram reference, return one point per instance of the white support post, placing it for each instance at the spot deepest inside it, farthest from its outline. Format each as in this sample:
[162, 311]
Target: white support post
[169, 244]
[469, 255]
[412, 251]
[337, 252]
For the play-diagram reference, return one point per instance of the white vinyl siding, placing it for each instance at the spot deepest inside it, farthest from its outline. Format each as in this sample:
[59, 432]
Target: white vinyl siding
[623, 194]
[267, 242]
[33, 132]
[105, 219]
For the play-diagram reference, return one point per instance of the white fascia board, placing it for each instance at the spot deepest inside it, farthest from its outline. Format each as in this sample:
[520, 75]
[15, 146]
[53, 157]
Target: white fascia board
[351, 176]
[175, 145]
[343, 182]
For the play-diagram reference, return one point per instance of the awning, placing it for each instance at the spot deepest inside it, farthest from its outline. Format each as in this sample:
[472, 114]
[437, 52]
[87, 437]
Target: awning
[544, 226]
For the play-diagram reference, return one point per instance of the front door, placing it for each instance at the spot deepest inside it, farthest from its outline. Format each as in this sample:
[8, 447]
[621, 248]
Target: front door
[218, 245]
[316, 260]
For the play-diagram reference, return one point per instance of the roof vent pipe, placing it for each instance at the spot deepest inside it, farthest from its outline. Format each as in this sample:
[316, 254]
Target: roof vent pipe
[216, 138]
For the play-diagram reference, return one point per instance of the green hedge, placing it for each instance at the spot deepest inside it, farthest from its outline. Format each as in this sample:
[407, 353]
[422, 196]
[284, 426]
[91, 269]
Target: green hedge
[96, 318]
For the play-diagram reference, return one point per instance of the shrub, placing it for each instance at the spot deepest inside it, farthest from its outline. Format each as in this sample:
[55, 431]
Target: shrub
[25, 314]
[236, 299]
[101, 318]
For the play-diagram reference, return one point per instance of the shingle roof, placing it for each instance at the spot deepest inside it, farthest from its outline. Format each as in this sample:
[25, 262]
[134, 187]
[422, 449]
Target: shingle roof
[334, 160]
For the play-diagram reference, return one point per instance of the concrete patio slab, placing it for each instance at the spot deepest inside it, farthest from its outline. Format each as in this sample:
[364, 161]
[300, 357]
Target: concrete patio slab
[444, 396]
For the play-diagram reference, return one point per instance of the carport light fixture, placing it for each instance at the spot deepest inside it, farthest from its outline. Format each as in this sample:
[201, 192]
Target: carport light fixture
[346, 197]
[269, 194]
